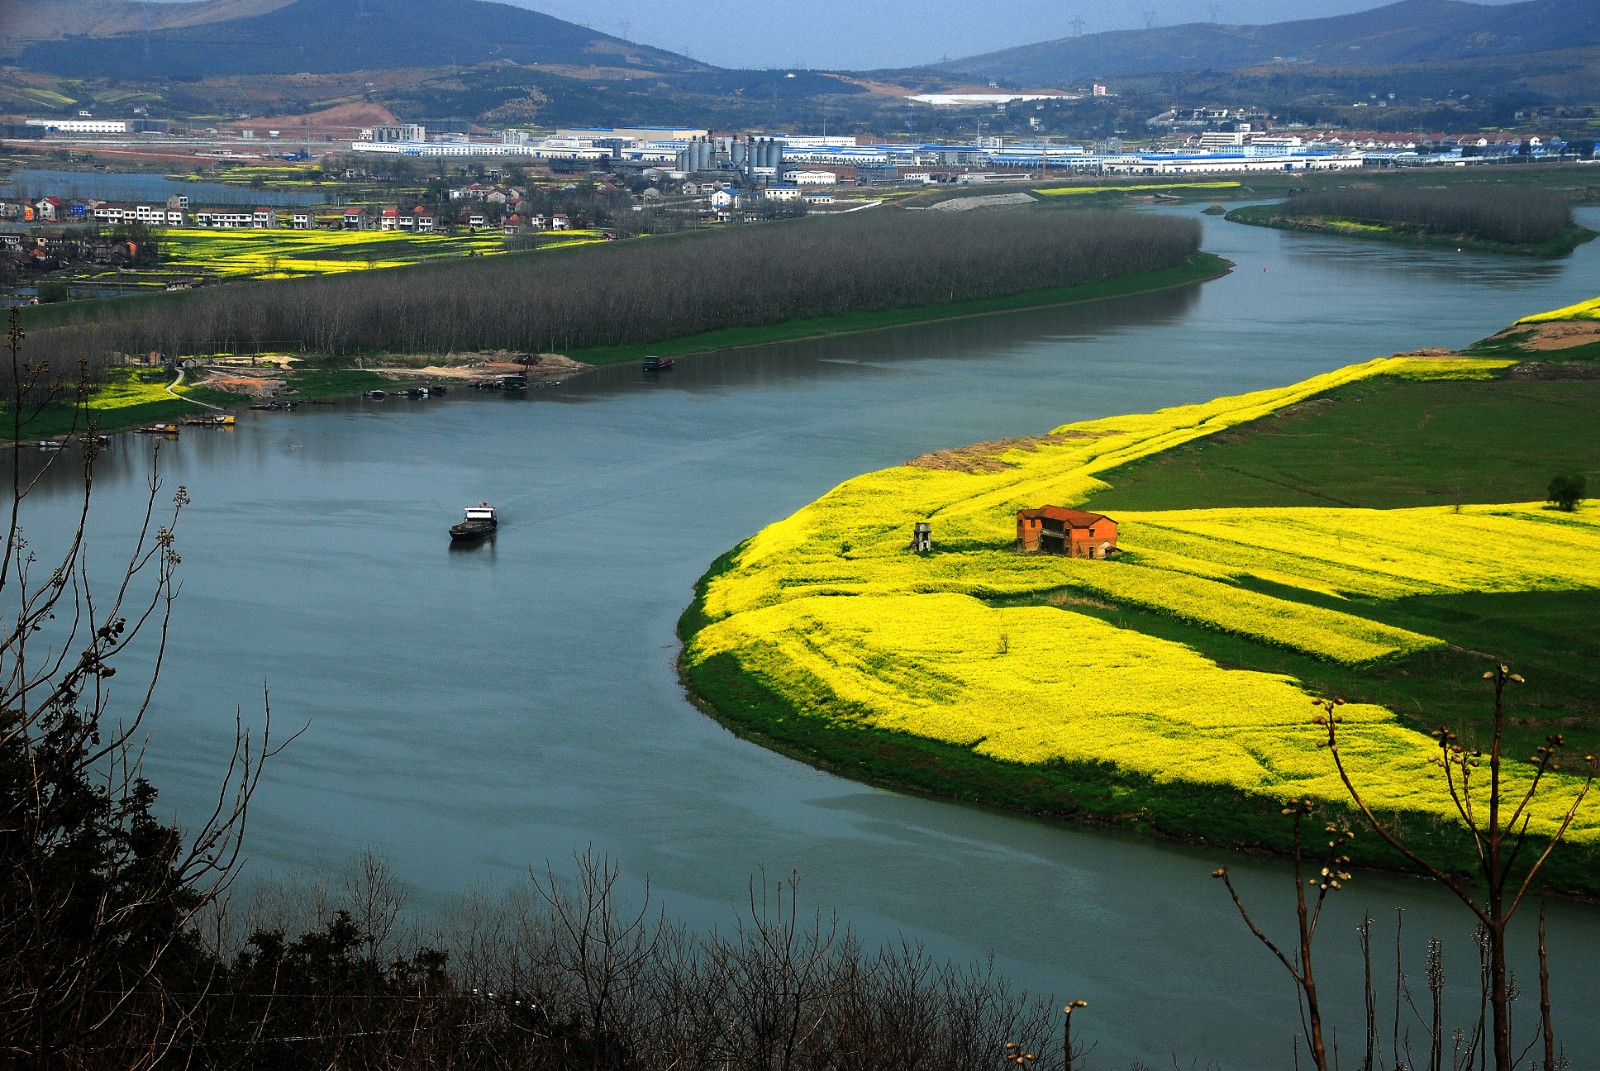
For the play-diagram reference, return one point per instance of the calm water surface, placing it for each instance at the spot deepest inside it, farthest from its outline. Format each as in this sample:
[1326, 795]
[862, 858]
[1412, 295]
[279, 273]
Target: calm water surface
[115, 186]
[470, 713]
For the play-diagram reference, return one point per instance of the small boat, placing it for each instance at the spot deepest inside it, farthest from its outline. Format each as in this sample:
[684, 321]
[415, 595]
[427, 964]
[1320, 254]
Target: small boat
[658, 364]
[274, 407]
[479, 522]
[376, 395]
[50, 444]
[224, 421]
[159, 429]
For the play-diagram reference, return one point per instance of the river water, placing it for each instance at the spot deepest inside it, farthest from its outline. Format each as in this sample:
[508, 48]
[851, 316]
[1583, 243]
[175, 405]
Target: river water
[142, 186]
[469, 713]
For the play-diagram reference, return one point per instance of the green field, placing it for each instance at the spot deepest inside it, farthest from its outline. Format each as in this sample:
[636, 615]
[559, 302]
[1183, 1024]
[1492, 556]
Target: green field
[1376, 534]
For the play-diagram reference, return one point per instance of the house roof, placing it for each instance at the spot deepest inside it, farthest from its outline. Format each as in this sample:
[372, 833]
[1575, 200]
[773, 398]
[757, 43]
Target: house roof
[1073, 518]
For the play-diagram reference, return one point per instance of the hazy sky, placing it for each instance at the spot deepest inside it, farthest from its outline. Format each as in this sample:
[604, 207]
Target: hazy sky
[856, 34]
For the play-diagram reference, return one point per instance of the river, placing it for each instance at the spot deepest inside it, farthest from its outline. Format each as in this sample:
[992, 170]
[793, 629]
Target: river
[142, 186]
[471, 713]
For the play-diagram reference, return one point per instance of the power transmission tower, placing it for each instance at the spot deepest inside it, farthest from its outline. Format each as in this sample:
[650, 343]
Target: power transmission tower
[1215, 9]
[1149, 18]
[1077, 25]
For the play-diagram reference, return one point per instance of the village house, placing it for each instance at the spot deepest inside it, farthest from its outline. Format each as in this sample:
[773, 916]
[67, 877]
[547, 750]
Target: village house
[1074, 533]
[227, 219]
[415, 220]
[112, 212]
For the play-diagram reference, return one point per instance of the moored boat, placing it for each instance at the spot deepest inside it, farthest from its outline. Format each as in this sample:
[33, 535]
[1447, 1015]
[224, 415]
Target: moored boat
[657, 364]
[478, 522]
[159, 429]
[222, 421]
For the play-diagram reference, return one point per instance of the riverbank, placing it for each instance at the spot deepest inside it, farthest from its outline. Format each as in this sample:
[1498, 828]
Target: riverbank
[1273, 216]
[333, 379]
[1169, 690]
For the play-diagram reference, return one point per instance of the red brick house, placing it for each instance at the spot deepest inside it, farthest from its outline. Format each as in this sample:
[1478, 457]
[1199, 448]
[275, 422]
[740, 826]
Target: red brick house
[1072, 532]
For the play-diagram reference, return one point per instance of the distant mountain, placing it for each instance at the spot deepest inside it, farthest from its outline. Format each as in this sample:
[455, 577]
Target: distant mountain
[28, 21]
[227, 38]
[1405, 33]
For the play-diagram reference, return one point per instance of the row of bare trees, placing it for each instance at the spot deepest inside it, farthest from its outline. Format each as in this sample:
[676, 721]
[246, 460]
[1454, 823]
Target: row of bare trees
[647, 290]
[579, 974]
[1494, 214]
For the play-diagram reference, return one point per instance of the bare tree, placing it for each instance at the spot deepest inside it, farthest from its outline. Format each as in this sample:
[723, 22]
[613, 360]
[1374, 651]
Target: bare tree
[100, 965]
[1497, 819]
[602, 952]
[1308, 913]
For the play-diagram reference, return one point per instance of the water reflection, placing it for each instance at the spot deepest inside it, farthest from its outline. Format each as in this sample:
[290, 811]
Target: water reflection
[852, 356]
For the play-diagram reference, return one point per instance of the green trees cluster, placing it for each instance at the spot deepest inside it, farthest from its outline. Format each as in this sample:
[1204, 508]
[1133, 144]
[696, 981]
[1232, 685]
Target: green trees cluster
[1566, 490]
[1529, 216]
[645, 291]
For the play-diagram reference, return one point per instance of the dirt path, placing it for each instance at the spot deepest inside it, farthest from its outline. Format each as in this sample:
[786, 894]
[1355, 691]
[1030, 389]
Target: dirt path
[172, 389]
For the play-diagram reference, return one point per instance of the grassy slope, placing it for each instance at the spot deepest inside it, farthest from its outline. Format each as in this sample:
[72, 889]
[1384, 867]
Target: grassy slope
[1390, 443]
[1381, 442]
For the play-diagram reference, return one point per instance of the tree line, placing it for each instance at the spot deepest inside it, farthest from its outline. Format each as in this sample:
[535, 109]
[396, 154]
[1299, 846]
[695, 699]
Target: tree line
[1493, 214]
[640, 291]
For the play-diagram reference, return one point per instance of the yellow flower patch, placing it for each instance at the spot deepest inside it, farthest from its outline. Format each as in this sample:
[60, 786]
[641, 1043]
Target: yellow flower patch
[1035, 684]
[1583, 310]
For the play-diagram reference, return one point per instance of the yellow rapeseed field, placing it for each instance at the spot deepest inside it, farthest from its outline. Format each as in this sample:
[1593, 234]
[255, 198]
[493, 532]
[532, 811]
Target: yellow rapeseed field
[1583, 310]
[284, 253]
[832, 608]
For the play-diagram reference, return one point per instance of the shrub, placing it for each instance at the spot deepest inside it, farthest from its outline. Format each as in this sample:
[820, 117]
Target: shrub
[1566, 490]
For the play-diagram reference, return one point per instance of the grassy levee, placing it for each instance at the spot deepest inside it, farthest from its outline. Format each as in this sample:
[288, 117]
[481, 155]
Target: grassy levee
[1196, 269]
[1347, 536]
[1570, 238]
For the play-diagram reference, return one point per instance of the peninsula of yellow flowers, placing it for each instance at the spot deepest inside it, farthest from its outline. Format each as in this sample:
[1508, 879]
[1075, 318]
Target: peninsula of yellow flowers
[830, 609]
